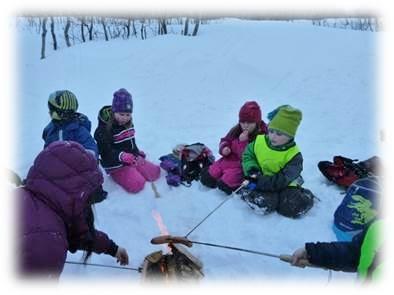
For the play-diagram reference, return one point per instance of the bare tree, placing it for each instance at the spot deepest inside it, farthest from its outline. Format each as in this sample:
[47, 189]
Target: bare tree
[196, 26]
[162, 27]
[134, 29]
[90, 29]
[128, 28]
[143, 30]
[66, 29]
[185, 31]
[53, 33]
[104, 28]
[43, 36]
[83, 24]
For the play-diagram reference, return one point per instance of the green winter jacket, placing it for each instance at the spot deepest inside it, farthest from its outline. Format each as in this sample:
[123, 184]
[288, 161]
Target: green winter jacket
[369, 266]
[279, 166]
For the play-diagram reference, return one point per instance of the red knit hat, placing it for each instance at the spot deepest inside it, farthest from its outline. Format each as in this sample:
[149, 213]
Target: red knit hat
[250, 112]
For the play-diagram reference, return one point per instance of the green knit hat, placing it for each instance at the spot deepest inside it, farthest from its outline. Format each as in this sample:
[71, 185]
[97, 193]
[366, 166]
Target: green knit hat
[286, 120]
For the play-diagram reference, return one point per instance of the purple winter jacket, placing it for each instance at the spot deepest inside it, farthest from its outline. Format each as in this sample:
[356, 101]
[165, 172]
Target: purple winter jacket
[52, 204]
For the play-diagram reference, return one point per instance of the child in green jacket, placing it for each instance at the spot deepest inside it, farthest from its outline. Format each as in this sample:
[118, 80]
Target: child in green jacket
[273, 164]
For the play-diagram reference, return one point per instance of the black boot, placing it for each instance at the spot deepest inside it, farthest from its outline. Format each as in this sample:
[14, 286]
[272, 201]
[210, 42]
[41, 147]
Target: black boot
[206, 178]
[224, 187]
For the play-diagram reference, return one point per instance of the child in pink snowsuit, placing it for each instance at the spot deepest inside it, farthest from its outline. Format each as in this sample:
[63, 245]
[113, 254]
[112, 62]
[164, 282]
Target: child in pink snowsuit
[119, 154]
[226, 173]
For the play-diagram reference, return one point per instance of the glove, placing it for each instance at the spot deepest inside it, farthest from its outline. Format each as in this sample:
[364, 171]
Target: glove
[128, 158]
[251, 186]
[139, 160]
[253, 174]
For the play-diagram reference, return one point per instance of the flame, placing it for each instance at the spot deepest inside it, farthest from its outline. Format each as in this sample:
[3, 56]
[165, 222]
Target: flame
[163, 229]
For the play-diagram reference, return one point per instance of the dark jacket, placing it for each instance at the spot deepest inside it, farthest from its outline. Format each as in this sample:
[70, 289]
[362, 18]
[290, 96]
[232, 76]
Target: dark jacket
[77, 129]
[52, 209]
[336, 255]
[113, 139]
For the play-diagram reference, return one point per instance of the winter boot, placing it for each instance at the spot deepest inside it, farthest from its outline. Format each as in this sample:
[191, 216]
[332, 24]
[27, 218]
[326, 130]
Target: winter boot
[206, 178]
[224, 187]
[295, 202]
[261, 203]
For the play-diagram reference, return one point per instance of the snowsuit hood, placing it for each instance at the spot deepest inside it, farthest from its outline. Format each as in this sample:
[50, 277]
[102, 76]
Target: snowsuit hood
[105, 115]
[63, 176]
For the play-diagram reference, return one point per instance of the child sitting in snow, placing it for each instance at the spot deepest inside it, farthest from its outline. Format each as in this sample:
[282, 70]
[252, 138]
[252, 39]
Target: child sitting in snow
[69, 125]
[226, 173]
[273, 163]
[120, 156]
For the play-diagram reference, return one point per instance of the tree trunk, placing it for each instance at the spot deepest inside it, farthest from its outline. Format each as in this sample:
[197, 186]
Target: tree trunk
[90, 30]
[128, 28]
[105, 29]
[53, 33]
[66, 29]
[43, 35]
[134, 29]
[185, 31]
[83, 24]
[196, 26]
[143, 31]
[163, 27]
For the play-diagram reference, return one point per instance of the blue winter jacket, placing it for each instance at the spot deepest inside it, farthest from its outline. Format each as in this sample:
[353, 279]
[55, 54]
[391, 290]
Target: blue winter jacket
[77, 129]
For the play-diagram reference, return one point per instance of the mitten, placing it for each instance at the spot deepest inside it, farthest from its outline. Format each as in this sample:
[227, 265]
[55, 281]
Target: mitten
[128, 158]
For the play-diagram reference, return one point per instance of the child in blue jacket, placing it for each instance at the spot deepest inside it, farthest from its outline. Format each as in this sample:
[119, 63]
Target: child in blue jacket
[68, 124]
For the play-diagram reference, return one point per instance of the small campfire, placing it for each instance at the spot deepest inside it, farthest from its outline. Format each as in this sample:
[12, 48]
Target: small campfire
[176, 266]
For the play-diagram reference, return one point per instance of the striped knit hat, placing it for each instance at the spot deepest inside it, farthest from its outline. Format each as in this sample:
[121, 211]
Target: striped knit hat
[62, 104]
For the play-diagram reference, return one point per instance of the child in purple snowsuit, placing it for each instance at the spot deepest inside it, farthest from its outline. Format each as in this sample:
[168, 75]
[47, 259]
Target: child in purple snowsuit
[120, 156]
[226, 173]
[55, 214]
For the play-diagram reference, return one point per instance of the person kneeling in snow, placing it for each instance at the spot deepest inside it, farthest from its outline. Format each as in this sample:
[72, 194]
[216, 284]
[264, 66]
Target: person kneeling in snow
[273, 164]
[55, 211]
[120, 156]
[226, 173]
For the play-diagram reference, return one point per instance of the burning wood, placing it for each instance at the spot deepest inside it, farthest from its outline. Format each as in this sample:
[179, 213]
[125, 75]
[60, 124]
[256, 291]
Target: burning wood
[179, 265]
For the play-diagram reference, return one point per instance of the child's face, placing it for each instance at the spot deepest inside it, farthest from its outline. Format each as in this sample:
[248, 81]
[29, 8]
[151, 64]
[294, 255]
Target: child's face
[122, 118]
[277, 138]
[249, 126]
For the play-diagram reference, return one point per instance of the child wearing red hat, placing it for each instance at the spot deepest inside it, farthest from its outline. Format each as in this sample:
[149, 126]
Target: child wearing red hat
[226, 173]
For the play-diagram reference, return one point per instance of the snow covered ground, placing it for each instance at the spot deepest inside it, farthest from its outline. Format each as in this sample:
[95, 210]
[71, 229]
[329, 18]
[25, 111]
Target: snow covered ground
[190, 89]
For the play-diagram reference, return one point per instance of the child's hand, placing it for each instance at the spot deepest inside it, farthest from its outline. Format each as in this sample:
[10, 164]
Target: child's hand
[226, 151]
[299, 258]
[244, 135]
[121, 256]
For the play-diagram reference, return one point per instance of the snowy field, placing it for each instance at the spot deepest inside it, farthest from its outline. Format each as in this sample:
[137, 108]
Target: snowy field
[190, 89]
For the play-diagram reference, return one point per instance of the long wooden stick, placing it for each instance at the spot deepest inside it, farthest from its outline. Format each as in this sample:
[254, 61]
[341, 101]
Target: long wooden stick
[154, 188]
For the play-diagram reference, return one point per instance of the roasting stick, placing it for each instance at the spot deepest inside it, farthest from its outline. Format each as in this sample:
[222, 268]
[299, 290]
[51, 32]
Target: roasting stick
[154, 188]
[185, 241]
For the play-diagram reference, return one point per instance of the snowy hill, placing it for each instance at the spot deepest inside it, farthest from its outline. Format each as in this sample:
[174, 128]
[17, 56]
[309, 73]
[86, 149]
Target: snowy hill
[189, 89]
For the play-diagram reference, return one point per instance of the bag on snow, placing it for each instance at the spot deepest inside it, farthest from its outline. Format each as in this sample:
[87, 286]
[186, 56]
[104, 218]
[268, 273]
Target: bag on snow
[344, 171]
[185, 163]
[357, 209]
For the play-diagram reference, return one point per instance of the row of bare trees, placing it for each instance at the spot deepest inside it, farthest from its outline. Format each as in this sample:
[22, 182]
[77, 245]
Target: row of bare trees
[71, 30]
[360, 23]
